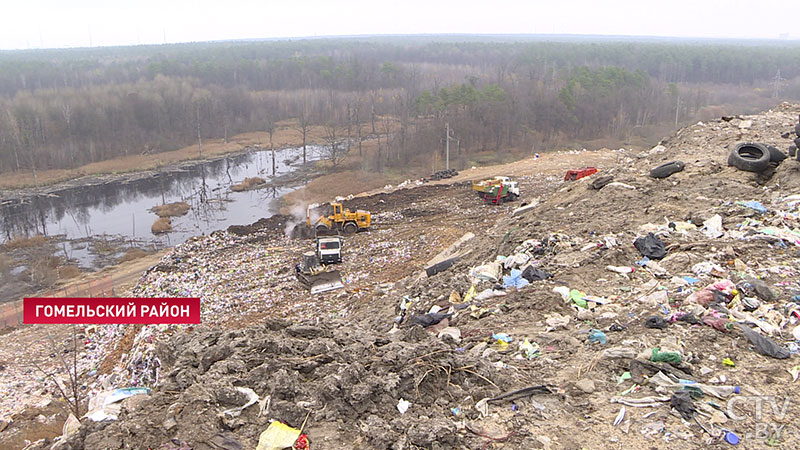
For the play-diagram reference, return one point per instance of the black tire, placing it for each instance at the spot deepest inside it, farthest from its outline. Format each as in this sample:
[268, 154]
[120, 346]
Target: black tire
[775, 154]
[797, 142]
[666, 169]
[797, 129]
[350, 228]
[792, 151]
[322, 229]
[512, 196]
[749, 156]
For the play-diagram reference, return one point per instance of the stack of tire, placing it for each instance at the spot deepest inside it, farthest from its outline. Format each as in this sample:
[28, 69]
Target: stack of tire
[442, 174]
[755, 157]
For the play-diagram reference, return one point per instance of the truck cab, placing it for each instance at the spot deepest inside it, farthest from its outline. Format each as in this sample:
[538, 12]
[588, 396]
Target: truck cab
[329, 249]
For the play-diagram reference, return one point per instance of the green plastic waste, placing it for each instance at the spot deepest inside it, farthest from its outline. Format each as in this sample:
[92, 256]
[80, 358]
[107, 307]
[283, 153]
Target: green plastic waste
[577, 297]
[667, 357]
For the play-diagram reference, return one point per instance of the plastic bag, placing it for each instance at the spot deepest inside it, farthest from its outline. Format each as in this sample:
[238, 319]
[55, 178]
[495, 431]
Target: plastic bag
[515, 280]
[487, 272]
[650, 246]
[764, 345]
[277, 436]
[533, 274]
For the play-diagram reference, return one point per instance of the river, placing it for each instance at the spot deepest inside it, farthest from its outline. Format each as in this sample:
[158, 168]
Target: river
[119, 210]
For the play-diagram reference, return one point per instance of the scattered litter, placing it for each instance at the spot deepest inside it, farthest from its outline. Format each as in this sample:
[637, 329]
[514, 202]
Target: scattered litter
[403, 405]
[795, 372]
[577, 298]
[515, 280]
[764, 345]
[488, 272]
[503, 337]
[650, 246]
[557, 321]
[429, 319]
[278, 436]
[621, 269]
[656, 322]
[754, 205]
[713, 227]
[597, 336]
[252, 398]
[620, 416]
[728, 362]
[452, 332]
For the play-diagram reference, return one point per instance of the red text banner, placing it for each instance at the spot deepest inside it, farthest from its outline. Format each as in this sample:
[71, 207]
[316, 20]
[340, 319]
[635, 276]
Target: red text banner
[111, 310]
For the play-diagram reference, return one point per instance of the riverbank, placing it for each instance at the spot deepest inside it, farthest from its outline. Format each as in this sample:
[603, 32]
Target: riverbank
[93, 222]
[284, 136]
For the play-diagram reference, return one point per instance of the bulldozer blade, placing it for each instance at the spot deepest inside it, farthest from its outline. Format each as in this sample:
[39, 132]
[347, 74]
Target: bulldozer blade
[322, 282]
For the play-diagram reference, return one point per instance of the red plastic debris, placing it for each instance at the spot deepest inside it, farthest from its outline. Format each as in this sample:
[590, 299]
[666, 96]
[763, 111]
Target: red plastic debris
[301, 443]
[573, 175]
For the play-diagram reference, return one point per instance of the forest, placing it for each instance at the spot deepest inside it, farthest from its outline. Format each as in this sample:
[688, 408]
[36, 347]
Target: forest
[70, 107]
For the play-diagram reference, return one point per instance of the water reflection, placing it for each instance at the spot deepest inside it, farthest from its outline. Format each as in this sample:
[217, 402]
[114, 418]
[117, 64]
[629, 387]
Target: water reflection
[122, 208]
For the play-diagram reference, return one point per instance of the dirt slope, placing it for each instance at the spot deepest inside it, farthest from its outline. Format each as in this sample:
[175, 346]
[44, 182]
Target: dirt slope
[342, 361]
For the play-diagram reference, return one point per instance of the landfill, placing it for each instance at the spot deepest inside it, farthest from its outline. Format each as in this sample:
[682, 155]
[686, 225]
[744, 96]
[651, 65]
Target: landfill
[552, 329]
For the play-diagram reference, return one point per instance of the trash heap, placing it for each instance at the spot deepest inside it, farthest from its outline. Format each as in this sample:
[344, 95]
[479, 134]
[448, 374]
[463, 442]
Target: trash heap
[653, 311]
[228, 386]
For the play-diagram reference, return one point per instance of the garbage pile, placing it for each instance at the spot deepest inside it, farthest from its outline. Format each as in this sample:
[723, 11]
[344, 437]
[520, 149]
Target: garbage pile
[644, 311]
[443, 174]
[231, 386]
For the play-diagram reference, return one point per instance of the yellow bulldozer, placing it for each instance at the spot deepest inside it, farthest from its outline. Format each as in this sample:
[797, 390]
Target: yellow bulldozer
[342, 220]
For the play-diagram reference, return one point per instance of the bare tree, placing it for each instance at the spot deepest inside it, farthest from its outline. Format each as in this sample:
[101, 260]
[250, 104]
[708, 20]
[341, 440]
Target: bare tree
[271, 130]
[71, 392]
[335, 151]
[14, 129]
[358, 130]
[303, 124]
[386, 122]
[199, 138]
[66, 113]
[373, 97]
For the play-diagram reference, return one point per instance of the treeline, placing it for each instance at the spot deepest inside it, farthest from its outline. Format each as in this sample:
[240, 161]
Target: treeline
[65, 108]
[354, 64]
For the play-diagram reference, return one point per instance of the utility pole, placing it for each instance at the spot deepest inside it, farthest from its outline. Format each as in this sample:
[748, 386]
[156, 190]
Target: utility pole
[199, 139]
[447, 163]
[677, 108]
[776, 92]
[447, 153]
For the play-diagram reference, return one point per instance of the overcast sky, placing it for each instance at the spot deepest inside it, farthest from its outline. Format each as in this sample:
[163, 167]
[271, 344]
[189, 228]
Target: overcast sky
[79, 23]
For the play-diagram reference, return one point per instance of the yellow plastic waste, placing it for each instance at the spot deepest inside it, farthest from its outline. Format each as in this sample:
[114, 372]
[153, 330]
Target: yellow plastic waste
[455, 297]
[728, 362]
[277, 436]
[470, 293]
[500, 345]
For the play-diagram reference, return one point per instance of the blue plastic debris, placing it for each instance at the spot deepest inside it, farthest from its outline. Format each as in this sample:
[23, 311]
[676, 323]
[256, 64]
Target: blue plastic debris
[515, 280]
[598, 336]
[690, 280]
[752, 204]
[502, 337]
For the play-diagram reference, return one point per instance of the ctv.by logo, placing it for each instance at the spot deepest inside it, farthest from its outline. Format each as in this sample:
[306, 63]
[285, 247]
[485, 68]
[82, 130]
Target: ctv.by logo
[761, 408]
